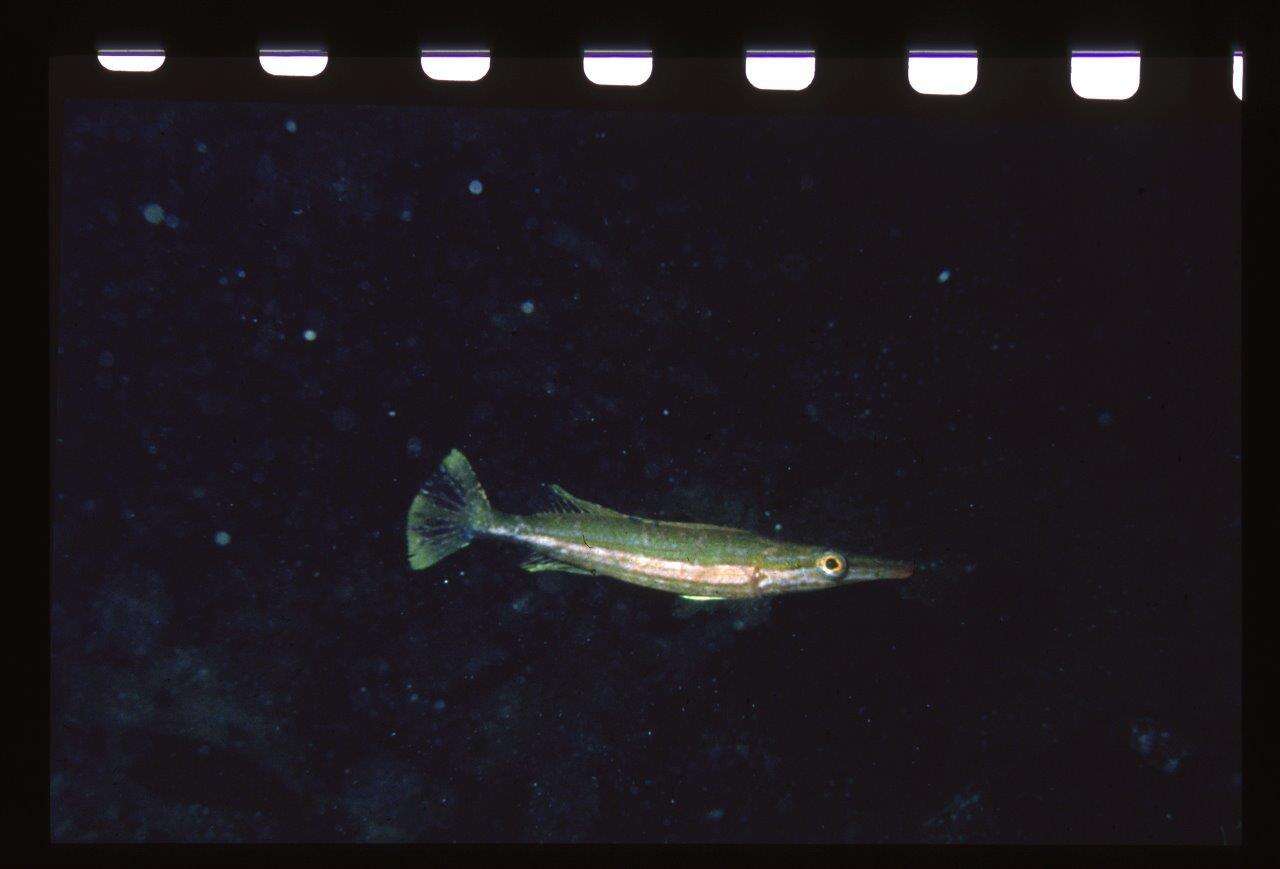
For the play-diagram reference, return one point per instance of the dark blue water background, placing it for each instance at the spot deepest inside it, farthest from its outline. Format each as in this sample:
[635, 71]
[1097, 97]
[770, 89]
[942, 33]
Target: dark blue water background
[1005, 351]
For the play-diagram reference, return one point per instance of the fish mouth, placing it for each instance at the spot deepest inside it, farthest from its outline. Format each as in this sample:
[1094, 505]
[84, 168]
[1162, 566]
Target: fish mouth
[865, 570]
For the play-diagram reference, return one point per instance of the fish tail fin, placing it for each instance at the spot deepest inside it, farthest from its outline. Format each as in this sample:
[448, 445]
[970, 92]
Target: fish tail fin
[448, 512]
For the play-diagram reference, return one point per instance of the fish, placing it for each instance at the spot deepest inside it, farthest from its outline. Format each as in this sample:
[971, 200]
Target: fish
[697, 561]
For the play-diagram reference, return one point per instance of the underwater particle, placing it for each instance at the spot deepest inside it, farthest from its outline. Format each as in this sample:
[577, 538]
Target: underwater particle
[105, 359]
[1143, 740]
[413, 447]
[344, 419]
[240, 273]
[438, 706]
[153, 213]
[1105, 418]
[222, 538]
[172, 221]
[202, 148]
[475, 187]
[309, 335]
[964, 818]
[1158, 746]
[406, 215]
[527, 306]
[291, 126]
[666, 412]
[944, 276]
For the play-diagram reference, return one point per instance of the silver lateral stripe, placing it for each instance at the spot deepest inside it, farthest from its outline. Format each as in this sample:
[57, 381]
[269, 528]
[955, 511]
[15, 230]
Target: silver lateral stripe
[711, 574]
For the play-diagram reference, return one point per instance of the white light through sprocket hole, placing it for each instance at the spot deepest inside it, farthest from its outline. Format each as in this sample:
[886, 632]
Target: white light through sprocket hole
[297, 63]
[455, 64]
[946, 73]
[131, 59]
[783, 70]
[617, 68]
[1105, 75]
[1237, 74]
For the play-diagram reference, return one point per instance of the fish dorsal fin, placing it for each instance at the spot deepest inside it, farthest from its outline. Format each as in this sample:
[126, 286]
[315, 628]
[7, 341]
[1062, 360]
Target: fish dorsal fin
[572, 504]
[704, 526]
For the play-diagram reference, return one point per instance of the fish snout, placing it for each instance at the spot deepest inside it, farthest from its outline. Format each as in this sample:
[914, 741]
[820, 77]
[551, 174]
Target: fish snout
[867, 569]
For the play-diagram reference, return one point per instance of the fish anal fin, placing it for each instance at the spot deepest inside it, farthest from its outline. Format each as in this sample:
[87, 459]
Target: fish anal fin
[538, 563]
[574, 504]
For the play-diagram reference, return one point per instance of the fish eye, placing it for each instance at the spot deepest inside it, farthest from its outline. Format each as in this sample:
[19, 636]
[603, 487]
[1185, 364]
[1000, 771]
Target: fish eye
[832, 564]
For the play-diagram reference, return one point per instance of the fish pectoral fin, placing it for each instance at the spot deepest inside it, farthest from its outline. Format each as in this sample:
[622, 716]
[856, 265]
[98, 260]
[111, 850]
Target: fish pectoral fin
[574, 504]
[539, 562]
[698, 597]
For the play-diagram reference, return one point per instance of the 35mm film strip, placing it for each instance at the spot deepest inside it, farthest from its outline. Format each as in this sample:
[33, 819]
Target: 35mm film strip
[1083, 85]
[1094, 74]
[909, 291]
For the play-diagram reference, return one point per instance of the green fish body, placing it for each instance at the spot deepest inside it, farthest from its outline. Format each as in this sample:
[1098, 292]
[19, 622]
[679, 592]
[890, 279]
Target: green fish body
[701, 562]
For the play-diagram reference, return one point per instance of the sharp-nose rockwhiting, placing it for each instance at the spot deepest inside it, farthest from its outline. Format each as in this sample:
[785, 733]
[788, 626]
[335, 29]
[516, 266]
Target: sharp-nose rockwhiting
[690, 559]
